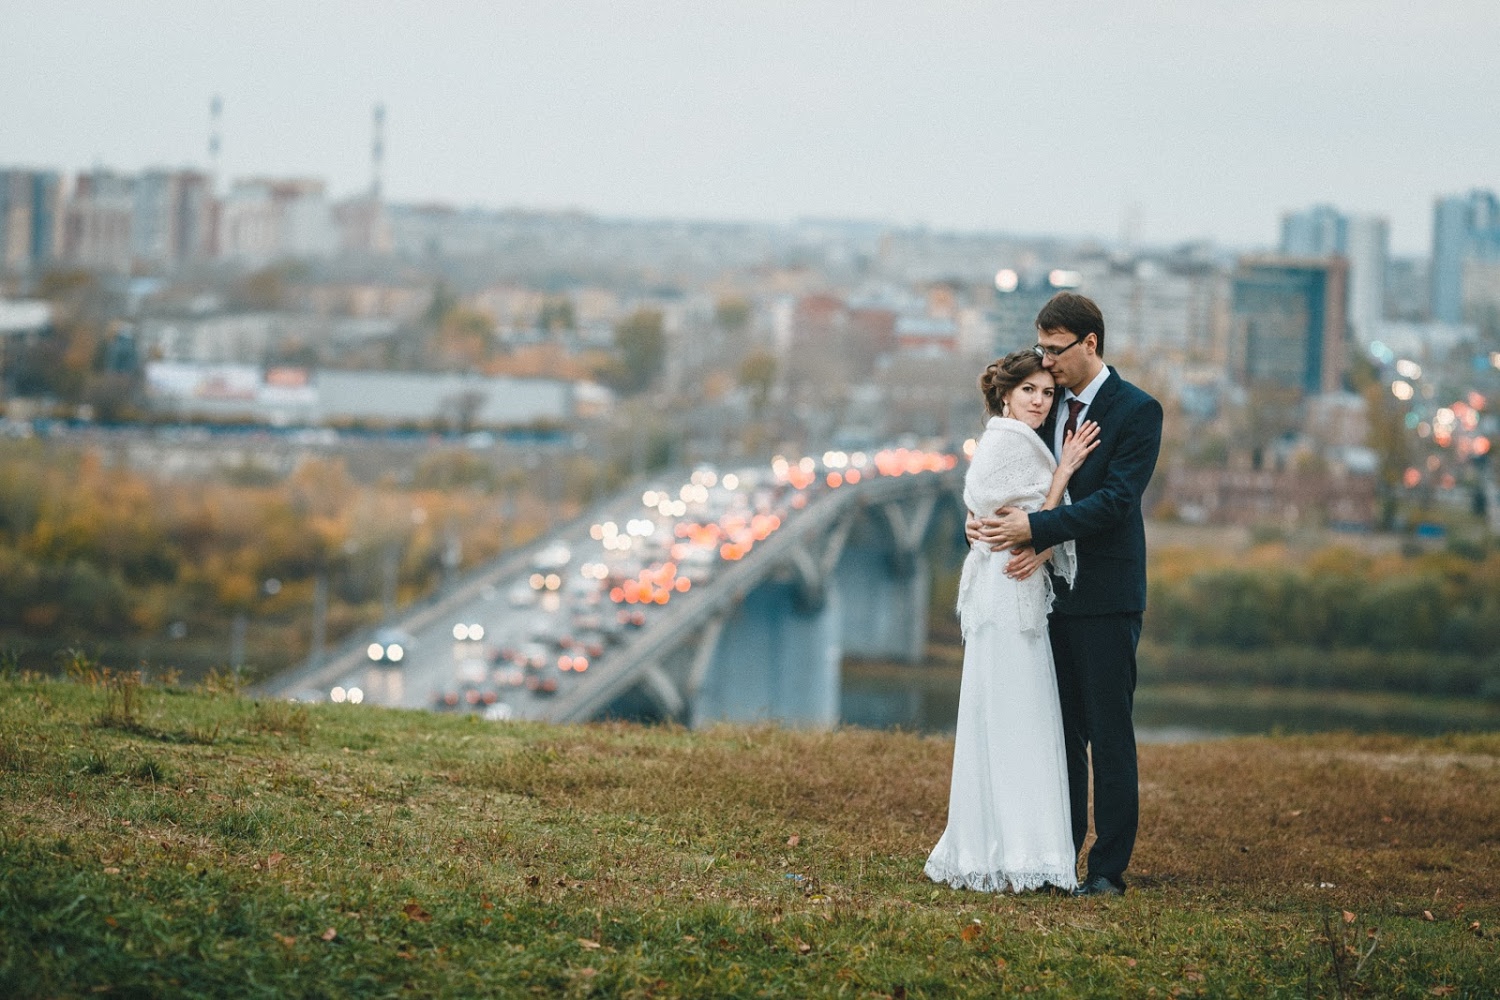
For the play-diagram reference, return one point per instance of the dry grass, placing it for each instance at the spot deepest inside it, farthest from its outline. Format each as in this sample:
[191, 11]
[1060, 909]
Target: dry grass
[454, 857]
[1390, 822]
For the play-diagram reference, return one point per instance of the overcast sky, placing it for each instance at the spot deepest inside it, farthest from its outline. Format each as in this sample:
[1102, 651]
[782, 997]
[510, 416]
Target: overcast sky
[1203, 119]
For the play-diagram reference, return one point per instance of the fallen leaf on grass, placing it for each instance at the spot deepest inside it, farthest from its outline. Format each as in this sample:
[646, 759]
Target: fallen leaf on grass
[285, 939]
[802, 946]
[586, 943]
[1348, 917]
[793, 840]
[970, 932]
[330, 934]
[111, 871]
[275, 859]
[1131, 962]
[415, 912]
[1443, 991]
[1427, 915]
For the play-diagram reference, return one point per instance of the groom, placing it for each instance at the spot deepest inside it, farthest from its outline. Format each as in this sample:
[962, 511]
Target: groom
[1095, 625]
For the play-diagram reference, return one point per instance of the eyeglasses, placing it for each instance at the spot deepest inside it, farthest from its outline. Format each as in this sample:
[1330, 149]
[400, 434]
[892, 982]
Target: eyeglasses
[1044, 352]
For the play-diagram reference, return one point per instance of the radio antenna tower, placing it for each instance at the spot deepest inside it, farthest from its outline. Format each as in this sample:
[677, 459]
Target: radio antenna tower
[377, 153]
[215, 112]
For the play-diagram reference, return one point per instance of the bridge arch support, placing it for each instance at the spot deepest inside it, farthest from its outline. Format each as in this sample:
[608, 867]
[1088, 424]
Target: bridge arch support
[766, 639]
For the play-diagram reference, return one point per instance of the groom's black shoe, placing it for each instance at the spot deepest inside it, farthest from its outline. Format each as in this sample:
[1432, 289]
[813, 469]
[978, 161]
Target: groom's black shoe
[1100, 885]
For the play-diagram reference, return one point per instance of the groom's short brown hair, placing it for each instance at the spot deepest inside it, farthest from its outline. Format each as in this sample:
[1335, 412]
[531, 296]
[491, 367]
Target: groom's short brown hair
[1075, 313]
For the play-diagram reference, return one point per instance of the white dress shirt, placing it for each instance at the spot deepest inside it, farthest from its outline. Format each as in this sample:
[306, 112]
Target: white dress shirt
[1087, 395]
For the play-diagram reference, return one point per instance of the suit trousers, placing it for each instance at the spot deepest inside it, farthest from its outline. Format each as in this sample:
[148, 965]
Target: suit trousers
[1095, 660]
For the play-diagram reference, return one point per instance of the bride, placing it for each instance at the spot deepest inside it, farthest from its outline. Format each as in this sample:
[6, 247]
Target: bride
[1009, 824]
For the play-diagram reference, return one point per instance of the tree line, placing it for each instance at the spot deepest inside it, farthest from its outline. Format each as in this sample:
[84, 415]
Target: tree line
[1335, 618]
[144, 567]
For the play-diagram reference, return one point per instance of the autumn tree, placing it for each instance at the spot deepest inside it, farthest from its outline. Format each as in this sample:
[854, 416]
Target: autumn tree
[642, 346]
[458, 337]
[1390, 440]
[465, 338]
[732, 314]
[1272, 412]
[61, 362]
[268, 288]
[557, 315]
[758, 375]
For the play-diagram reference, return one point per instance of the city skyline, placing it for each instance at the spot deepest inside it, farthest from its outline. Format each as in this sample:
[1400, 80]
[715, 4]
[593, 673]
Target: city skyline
[1209, 121]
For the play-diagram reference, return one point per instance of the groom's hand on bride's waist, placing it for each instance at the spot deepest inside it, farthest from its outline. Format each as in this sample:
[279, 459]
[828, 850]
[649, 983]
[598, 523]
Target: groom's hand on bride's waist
[1007, 528]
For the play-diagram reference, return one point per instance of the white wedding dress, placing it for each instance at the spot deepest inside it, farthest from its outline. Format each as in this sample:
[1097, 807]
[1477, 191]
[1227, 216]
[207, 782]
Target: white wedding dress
[1008, 813]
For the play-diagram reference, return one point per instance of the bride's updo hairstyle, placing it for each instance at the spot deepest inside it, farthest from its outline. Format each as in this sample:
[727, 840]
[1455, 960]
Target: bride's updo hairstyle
[1004, 375]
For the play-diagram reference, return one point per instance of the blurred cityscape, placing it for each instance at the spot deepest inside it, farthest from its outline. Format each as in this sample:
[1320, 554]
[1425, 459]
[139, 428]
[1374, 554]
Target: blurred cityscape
[198, 326]
[168, 296]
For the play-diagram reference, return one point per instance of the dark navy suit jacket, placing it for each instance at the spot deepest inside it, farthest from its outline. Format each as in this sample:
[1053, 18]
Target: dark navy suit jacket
[1104, 520]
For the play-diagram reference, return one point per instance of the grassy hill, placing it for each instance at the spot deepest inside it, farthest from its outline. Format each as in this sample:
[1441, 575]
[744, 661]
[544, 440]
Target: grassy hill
[165, 842]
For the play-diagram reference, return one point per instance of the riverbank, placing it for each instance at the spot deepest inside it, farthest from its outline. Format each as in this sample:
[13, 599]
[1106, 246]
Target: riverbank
[924, 698]
[170, 842]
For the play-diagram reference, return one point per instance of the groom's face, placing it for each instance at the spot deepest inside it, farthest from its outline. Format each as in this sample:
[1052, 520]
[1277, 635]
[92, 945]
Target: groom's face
[1068, 357]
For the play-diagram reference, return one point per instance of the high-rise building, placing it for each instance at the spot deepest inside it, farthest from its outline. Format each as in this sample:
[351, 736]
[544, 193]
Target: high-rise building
[1019, 296]
[97, 224]
[1288, 324]
[1368, 249]
[1364, 240]
[30, 219]
[1465, 228]
[172, 221]
[1159, 305]
[1408, 289]
[1319, 231]
[263, 219]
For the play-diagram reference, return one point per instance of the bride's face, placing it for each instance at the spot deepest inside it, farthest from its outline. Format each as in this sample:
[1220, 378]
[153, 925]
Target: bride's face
[1031, 401]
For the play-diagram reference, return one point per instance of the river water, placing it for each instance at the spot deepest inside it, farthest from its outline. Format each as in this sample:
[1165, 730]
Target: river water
[925, 699]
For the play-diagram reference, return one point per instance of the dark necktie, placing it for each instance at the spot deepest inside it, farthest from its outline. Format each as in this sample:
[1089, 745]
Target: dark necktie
[1075, 407]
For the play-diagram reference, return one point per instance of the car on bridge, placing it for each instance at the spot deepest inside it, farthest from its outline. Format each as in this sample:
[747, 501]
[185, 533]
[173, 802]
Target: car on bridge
[542, 686]
[390, 646]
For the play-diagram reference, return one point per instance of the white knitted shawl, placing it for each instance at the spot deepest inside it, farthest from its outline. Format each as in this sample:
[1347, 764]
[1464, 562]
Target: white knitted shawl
[1011, 468]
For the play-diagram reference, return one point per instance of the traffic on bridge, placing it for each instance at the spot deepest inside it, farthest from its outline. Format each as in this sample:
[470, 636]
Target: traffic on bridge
[539, 628]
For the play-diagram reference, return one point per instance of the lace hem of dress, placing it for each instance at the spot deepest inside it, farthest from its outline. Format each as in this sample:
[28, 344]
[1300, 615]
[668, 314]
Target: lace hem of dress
[1002, 881]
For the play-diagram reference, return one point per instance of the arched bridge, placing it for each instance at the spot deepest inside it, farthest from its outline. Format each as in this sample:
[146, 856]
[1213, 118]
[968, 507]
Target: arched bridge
[849, 574]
